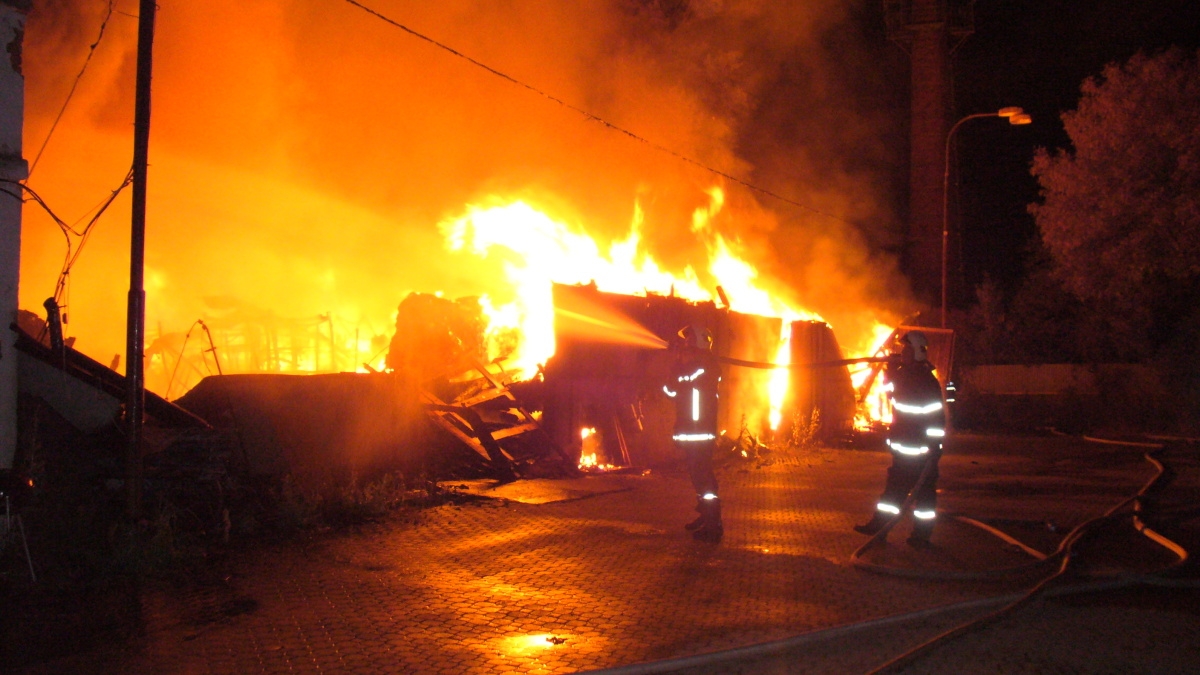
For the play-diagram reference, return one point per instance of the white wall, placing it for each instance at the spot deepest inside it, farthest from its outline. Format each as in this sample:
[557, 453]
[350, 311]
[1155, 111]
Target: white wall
[12, 168]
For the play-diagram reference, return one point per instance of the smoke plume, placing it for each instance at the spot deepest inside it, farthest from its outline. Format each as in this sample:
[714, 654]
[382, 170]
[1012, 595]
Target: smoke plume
[303, 152]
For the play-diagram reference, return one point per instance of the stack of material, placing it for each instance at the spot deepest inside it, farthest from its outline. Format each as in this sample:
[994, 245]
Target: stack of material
[437, 338]
[439, 396]
[487, 417]
[440, 345]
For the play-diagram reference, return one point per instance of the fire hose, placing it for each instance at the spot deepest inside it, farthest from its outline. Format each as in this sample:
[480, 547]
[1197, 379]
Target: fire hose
[1040, 558]
[767, 365]
[1064, 555]
[856, 559]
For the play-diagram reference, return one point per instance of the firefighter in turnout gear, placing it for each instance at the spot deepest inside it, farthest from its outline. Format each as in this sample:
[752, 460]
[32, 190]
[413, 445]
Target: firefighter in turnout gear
[915, 439]
[693, 388]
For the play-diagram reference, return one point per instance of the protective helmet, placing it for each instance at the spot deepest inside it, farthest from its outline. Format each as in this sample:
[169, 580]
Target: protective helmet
[698, 337]
[917, 341]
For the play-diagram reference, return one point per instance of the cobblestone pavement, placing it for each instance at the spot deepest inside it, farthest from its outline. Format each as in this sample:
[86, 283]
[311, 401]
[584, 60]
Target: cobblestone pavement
[610, 580]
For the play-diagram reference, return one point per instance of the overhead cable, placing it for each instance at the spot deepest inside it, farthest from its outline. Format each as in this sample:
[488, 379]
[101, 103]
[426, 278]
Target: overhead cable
[62, 224]
[84, 235]
[73, 251]
[593, 117]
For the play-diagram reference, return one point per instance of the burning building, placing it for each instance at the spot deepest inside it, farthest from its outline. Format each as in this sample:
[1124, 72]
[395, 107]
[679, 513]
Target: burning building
[309, 168]
[294, 196]
[596, 401]
[603, 384]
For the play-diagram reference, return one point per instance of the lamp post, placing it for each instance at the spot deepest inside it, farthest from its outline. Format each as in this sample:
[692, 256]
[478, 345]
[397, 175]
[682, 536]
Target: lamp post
[1015, 116]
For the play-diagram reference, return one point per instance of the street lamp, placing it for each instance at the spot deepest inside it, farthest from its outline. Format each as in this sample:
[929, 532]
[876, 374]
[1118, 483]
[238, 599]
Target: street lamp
[1015, 116]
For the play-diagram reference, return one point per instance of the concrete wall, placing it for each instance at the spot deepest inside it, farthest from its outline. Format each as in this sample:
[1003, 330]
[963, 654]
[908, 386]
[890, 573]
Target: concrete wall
[12, 168]
[1068, 397]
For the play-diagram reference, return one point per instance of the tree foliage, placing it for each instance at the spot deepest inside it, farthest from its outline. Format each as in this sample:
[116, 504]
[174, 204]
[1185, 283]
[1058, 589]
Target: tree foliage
[1040, 323]
[1120, 211]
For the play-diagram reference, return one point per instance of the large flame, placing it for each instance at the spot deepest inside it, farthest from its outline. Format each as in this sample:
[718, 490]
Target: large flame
[874, 406]
[538, 251]
[299, 159]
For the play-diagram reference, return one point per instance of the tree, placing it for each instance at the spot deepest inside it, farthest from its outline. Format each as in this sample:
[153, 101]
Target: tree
[1120, 211]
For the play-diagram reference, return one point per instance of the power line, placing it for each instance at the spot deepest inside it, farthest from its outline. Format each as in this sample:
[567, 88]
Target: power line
[593, 117]
[63, 109]
[83, 236]
[62, 224]
[73, 251]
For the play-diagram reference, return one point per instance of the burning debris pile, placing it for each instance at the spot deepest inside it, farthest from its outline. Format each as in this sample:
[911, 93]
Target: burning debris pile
[441, 345]
[451, 403]
[521, 196]
[436, 338]
[437, 396]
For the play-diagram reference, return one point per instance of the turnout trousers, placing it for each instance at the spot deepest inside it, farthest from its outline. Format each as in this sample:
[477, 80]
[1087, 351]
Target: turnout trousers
[902, 477]
[698, 457]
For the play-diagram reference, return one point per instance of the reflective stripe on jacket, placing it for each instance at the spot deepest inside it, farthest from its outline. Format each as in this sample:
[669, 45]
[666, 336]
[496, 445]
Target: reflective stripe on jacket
[918, 409]
[694, 392]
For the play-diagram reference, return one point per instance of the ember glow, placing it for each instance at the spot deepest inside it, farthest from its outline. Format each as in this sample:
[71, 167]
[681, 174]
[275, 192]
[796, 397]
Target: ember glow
[589, 457]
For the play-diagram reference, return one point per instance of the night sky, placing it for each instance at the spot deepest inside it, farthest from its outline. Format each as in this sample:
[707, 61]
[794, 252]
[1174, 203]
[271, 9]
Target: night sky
[1035, 54]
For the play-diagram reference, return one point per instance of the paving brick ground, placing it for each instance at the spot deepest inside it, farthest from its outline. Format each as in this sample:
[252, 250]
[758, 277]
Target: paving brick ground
[612, 580]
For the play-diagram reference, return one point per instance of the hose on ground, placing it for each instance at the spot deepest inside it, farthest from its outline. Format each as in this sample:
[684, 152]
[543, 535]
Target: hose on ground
[1008, 603]
[775, 647]
[1065, 554]
[857, 560]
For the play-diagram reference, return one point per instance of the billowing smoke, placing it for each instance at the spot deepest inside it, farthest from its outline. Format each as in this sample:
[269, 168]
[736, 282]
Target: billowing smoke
[303, 152]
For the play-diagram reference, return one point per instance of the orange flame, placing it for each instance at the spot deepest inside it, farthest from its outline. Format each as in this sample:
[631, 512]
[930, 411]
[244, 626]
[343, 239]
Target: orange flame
[875, 407]
[305, 183]
[537, 251]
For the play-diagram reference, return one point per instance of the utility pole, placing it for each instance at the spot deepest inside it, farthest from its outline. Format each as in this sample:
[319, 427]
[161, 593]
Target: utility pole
[135, 376]
[13, 169]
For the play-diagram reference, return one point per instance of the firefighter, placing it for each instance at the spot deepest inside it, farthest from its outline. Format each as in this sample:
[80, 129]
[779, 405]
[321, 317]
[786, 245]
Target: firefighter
[915, 439]
[693, 387]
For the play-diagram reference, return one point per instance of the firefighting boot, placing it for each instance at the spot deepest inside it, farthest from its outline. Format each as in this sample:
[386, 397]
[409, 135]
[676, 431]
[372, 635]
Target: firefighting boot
[711, 529]
[873, 526]
[922, 530]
